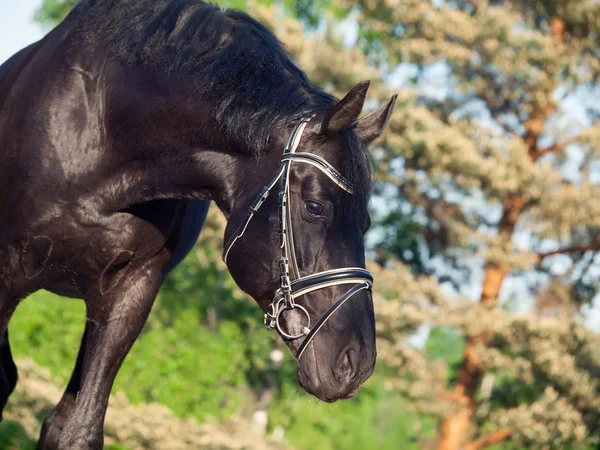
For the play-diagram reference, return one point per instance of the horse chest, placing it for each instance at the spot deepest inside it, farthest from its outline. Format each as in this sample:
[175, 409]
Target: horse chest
[73, 257]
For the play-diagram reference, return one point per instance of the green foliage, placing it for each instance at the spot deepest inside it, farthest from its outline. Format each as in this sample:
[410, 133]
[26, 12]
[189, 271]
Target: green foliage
[44, 320]
[447, 344]
[376, 418]
[13, 436]
[237, 4]
[53, 11]
[400, 237]
[511, 391]
[313, 12]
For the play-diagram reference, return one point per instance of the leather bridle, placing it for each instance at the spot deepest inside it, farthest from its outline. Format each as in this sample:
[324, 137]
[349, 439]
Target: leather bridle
[292, 285]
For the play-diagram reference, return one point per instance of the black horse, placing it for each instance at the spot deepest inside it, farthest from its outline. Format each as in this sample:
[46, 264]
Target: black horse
[118, 128]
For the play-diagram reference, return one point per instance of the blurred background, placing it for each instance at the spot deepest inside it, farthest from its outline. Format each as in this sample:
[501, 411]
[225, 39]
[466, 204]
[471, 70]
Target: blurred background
[485, 248]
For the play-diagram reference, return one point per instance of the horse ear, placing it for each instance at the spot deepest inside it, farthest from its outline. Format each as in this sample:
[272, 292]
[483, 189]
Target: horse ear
[346, 112]
[370, 127]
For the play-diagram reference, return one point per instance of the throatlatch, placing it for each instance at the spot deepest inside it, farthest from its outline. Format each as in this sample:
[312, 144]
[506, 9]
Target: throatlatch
[292, 285]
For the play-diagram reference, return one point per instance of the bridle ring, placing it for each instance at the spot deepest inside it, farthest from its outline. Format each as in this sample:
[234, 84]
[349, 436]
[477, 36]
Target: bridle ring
[305, 329]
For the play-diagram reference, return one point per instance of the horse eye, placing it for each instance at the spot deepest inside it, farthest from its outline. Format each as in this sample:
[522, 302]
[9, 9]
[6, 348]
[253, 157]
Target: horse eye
[314, 208]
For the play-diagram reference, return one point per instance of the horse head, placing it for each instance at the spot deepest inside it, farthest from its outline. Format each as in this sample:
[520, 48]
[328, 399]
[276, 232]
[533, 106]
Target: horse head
[298, 248]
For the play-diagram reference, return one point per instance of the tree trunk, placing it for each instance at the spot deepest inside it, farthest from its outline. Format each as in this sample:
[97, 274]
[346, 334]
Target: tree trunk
[455, 431]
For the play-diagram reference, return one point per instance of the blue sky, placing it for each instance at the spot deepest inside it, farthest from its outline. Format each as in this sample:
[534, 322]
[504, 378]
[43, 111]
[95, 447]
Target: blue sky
[17, 28]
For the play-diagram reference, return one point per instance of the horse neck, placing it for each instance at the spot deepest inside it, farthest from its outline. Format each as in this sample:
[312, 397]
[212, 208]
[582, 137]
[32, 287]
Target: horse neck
[175, 135]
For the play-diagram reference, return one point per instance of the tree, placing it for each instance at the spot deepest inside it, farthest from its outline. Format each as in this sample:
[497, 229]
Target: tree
[485, 163]
[540, 375]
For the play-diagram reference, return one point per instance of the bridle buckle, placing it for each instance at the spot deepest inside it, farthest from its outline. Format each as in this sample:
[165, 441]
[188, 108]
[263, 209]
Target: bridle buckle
[270, 318]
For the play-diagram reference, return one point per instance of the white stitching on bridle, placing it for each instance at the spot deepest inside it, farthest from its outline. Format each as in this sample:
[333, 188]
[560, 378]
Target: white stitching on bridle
[293, 285]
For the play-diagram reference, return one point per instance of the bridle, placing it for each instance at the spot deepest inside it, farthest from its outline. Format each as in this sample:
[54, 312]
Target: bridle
[292, 285]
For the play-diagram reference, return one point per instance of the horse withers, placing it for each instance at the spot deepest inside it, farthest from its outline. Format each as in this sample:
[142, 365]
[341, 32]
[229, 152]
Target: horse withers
[116, 131]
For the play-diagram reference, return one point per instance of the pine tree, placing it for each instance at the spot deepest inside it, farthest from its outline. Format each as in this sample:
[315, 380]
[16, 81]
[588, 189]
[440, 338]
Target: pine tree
[485, 164]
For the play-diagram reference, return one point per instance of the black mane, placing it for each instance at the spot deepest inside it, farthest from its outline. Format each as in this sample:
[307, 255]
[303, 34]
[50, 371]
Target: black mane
[245, 72]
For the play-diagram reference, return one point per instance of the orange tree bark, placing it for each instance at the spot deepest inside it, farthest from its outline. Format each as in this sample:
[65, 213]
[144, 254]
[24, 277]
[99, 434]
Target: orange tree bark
[455, 433]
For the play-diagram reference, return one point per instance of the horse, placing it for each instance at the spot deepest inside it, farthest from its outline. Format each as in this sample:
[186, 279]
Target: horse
[119, 127]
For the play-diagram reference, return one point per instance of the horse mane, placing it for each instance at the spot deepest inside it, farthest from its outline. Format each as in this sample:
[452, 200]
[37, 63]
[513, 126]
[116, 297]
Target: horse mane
[244, 71]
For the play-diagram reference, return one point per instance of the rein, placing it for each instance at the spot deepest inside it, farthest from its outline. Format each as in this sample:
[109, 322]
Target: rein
[292, 285]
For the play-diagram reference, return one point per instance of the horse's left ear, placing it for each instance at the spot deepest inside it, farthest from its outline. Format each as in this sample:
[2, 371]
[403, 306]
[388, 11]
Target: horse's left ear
[370, 127]
[346, 112]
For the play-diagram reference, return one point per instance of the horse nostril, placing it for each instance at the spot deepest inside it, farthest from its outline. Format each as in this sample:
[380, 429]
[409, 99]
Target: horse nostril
[346, 361]
[347, 365]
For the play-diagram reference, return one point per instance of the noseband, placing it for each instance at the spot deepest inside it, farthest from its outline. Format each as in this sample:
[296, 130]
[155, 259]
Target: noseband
[292, 285]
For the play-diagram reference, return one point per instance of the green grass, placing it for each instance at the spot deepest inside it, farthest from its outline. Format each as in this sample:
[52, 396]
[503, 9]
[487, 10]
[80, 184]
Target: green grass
[13, 436]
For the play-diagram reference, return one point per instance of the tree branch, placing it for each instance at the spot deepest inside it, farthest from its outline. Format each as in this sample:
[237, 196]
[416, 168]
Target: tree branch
[582, 139]
[572, 249]
[557, 28]
[489, 439]
[554, 149]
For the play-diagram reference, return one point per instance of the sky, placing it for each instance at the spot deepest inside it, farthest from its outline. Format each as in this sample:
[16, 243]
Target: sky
[17, 28]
